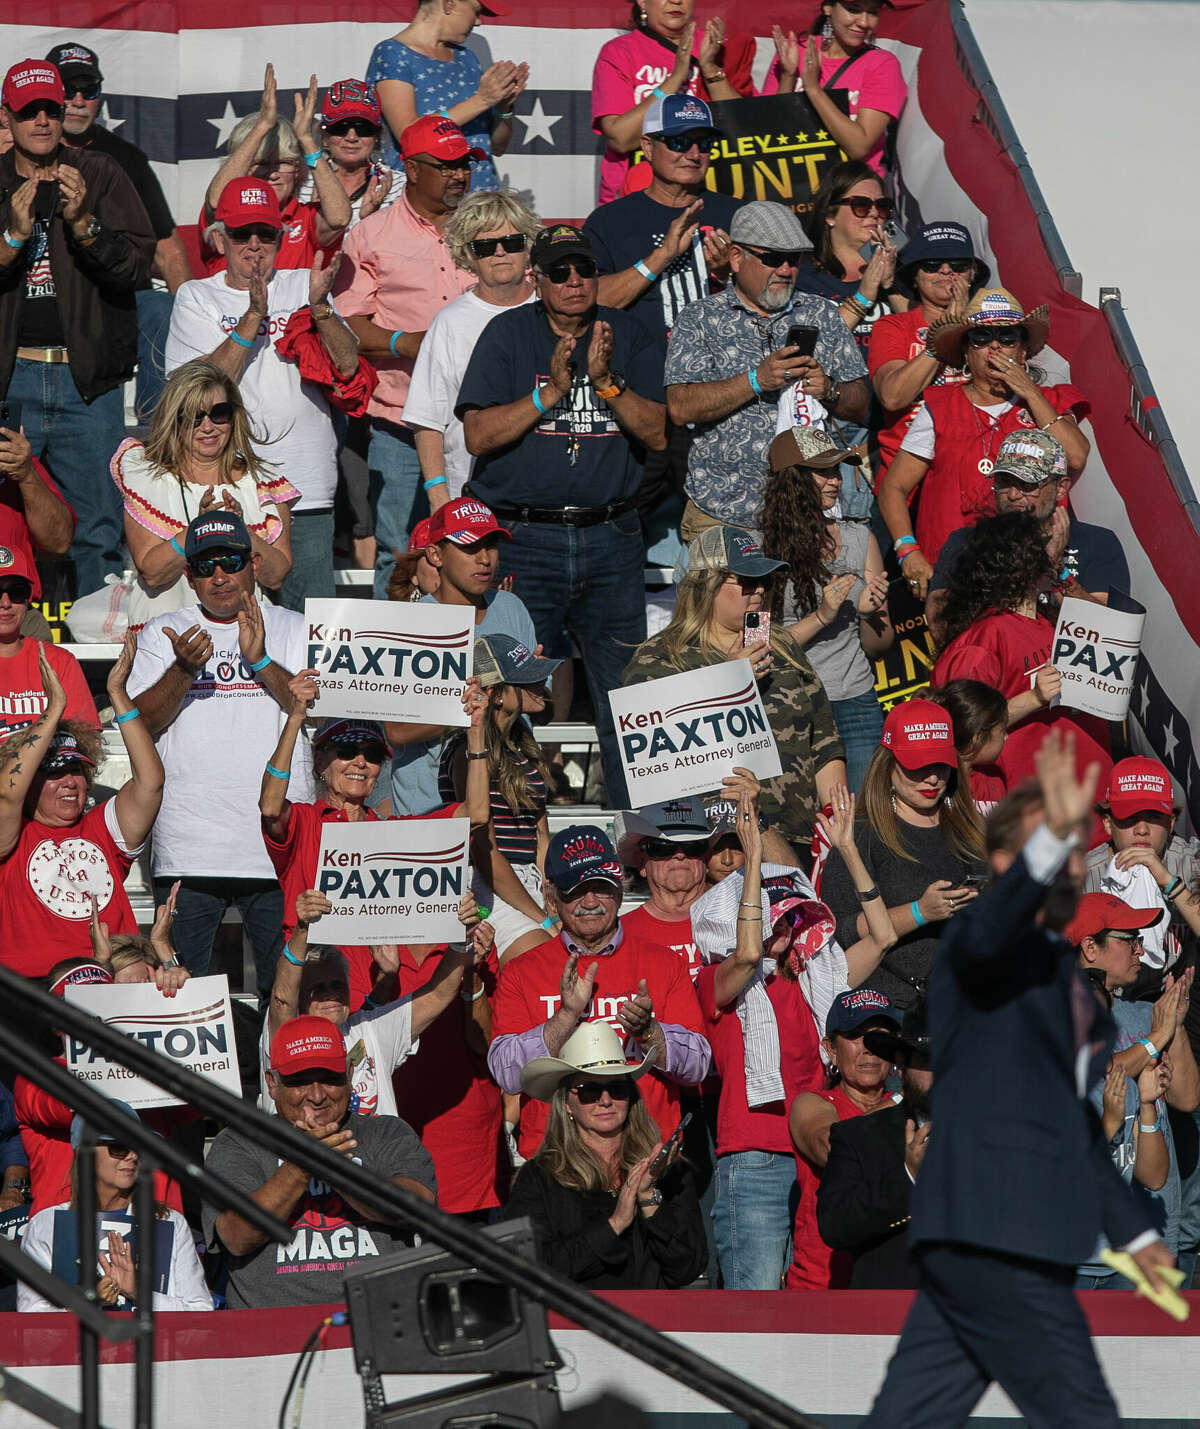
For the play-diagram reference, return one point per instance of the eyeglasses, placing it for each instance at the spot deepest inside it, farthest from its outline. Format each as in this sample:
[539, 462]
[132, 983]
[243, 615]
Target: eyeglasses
[1134, 940]
[667, 848]
[773, 257]
[351, 749]
[39, 106]
[748, 584]
[1003, 336]
[220, 414]
[83, 91]
[272, 166]
[261, 231]
[860, 205]
[117, 1151]
[588, 1093]
[935, 265]
[701, 139]
[446, 166]
[231, 562]
[343, 128]
[561, 271]
[507, 243]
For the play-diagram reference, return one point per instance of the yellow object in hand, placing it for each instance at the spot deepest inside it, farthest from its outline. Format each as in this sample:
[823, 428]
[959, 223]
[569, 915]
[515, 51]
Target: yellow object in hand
[1167, 1297]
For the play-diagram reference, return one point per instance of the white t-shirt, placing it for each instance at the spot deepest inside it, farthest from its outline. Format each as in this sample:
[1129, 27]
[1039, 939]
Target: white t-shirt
[294, 415]
[919, 439]
[378, 1040]
[796, 408]
[214, 750]
[437, 375]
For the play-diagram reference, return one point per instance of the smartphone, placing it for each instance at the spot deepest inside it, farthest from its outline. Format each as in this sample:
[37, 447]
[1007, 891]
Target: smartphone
[756, 627]
[896, 235]
[802, 338]
[973, 880]
[659, 1164]
[10, 417]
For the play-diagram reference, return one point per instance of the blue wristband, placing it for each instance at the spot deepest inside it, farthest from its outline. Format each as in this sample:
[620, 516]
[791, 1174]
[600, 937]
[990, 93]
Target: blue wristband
[13, 242]
[537, 401]
[392, 341]
[286, 950]
[127, 716]
[1150, 1130]
[277, 773]
[641, 268]
[177, 548]
[657, 93]
[235, 336]
[864, 303]
[312, 160]
[434, 481]
[752, 377]
[261, 664]
[445, 113]
[915, 909]
[547, 922]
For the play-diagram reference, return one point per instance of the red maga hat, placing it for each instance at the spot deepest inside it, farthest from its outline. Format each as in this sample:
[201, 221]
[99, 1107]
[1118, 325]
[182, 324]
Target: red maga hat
[1099, 912]
[305, 1043]
[1139, 784]
[918, 733]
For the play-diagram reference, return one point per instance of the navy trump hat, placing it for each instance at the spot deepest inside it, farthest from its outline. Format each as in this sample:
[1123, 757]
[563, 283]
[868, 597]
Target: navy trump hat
[850, 1010]
[216, 531]
[579, 853]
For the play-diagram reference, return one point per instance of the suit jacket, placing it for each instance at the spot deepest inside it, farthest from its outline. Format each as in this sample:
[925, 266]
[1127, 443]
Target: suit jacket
[863, 1199]
[1015, 1162]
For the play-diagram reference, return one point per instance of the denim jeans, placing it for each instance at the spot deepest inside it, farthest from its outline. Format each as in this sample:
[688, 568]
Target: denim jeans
[201, 905]
[154, 318]
[860, 723]
[1185, 1133]
[398, 499]
[587, 580]
[752, 1217]
[76, 439]
[312, 560]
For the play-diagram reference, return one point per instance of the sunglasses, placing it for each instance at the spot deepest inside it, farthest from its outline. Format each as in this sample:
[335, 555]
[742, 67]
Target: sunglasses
[506, 243]
[446, 166]
[701, 139]
[588, 1093]
[117, 1151]
[773, 257]
[665, 848]
[83, 91]
[261, 231]
[860, 205]
[230, 563]
[1134, 940]
[39, 106]
[1003, 336]
[18, 591]
[748, 584]
[561, 271]
[352, 748]
[343, 128]
[935, 265]
[273, 166]
[220, 414]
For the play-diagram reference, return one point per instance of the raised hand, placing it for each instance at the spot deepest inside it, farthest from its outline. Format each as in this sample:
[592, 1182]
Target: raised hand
[626, 1207]
[311, 905]
[304, 689]
[787, 47]
[683, 52]
[192, 649]
[321, 275]
[749, 834]
[838, 826]
[98, 934]
[916, 1139]
[1066, 800]
[1057, 530]
[599, 354]
[258, 288]
[576, 990]
[833, 596]
[117, 1265]
[1047, 684]
[20, 222]
[711, 41]
[268, 106]
[252, 637]
[560, 371]
[379, 185]
[678, 237]
[56, 696]
[636, 1013]
[72, 190]
[873, 596]
[810, 70]
[118, 676]
[164, 916]
[305, 112]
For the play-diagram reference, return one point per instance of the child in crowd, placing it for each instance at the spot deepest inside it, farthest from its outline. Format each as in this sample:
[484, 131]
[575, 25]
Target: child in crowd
[978, 714]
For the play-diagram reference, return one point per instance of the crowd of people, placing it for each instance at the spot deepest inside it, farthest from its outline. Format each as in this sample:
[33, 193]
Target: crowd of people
[695, 1050]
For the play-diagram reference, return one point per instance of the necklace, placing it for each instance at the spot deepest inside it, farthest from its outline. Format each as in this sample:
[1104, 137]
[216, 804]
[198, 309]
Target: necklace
[985, 465]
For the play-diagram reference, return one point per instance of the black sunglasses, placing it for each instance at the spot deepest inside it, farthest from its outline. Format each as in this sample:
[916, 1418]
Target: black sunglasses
[231, 562]
[262, 231]
[561, 271]
[774, 257]
[39, 106]
[220, 414]
[935, 265]
[620, 1089]
[343, 128]
[18, 590]
[667, 848]
[507, 242]
[352, 748]
[117, 1151]
[446, 166]
[703, 139]
[83, 91]
[860, 205]
[1005, 336]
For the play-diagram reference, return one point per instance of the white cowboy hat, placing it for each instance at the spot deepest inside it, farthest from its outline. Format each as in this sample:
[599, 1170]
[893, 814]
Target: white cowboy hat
[593, 1049]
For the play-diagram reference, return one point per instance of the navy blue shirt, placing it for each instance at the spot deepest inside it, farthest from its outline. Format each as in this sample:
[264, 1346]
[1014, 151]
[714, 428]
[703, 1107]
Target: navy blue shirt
[511, 358]
[1093, 557]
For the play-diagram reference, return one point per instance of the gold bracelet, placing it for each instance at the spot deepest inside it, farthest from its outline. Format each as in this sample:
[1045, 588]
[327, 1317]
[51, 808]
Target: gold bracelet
[713, 79]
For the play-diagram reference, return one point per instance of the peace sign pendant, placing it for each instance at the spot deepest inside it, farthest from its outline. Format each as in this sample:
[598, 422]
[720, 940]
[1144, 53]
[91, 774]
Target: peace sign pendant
[985, 466]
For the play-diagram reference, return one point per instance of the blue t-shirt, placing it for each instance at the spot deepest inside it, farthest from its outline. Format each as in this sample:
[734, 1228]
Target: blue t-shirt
[415, 766]
[1093, 556]
[437, 85]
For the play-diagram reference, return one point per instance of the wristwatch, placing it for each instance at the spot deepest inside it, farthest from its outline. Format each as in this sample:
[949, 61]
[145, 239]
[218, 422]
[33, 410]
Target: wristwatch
[92, 230]
[320, 312]
[618, 386]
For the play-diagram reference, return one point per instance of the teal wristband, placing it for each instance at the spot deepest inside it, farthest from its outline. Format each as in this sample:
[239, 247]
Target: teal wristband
[261, 664]
[915, 909]
[434, 481]
[312, 160]
[127, 716]
[392, 341]
[657, 93]
[13, 242]
[286, 950]
[277, 773]
[445, 113]
[864, 303]
[547, 923]
[641, 268]
[903, 541]
[1149, 1130]
[752, 377]
[537, 401]
[177, 548]
[235, 336]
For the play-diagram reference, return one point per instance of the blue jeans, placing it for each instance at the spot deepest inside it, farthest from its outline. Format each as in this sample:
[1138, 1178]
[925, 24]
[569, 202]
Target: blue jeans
[587, 580]
[201, 905]
[1185, 1132]
[312, 560]
[76, 439]
[860, 723]
[154, 318]
[397, 497]
[752, 1217]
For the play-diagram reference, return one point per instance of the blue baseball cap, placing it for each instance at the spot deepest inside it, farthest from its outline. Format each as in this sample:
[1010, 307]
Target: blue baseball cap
[850, 1010]
[940, 240]
[106, 1135]
[579, 853]
[679, 114]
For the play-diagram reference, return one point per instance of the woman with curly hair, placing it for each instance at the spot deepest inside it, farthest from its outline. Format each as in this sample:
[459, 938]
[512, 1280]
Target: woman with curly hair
[833, 600]
[991, 631]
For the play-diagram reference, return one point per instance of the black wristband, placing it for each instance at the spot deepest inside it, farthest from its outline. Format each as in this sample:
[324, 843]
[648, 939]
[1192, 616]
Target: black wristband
[867, 895]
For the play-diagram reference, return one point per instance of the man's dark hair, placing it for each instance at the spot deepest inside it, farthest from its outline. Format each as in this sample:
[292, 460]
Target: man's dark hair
[1005, 828]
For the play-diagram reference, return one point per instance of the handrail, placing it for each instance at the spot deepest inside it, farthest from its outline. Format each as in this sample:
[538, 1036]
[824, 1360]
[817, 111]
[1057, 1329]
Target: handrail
[36, 1008]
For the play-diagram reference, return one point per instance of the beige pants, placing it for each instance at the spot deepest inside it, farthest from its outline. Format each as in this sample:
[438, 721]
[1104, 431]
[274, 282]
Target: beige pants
[693, 521]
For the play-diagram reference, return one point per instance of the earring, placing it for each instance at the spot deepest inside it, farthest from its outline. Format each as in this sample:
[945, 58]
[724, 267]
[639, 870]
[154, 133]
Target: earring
[642, 21]
[827, 30]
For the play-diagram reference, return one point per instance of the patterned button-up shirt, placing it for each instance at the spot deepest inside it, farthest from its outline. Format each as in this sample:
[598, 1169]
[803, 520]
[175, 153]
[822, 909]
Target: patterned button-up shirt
[719, 337]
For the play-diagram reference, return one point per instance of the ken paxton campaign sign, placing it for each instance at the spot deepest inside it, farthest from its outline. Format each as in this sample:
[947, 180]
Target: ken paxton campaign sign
[393, 880]
[1096, 649]
[683, 734]
[193, 1029]
[390, 660]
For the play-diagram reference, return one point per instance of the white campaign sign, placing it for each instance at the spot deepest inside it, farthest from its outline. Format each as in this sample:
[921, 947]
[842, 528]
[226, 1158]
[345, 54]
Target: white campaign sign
[393, 880]
[193, 1029]
[684, 733]
[390, 660]
[1096, 650]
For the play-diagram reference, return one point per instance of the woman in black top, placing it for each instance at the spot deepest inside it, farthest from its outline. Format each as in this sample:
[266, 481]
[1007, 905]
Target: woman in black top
[921, 838]
[604, 1214]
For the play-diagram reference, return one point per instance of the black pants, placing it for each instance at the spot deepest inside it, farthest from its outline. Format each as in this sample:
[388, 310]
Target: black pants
[982, 1317]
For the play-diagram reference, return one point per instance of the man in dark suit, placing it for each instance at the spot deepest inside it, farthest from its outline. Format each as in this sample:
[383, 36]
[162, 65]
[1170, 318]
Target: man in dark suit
[1016, 1183]
[863, 1195]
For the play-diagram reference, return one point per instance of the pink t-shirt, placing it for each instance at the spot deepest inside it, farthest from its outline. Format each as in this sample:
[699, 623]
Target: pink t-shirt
[873, 81]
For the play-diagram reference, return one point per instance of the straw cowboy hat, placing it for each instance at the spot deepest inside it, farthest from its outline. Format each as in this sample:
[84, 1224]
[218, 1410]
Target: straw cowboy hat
[593, 1050]
[993, 307]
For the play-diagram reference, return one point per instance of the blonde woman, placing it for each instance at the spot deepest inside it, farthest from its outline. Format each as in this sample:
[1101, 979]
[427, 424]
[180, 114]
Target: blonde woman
[198, 456]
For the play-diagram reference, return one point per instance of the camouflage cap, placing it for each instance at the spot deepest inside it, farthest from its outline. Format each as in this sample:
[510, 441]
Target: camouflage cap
[1033, 457]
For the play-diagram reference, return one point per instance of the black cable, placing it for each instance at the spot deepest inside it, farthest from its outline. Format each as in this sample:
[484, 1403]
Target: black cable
[310, 1350]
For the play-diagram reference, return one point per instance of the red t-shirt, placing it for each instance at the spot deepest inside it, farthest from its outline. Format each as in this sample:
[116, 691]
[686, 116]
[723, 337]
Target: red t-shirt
[674, 933]
[14, 532]
[527, 994]
[445, 1094]
[765, 1128]
[21, 695]
[814, 1265]
[297, 249]
[295, 863]
[899, 337]
[45, 883]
